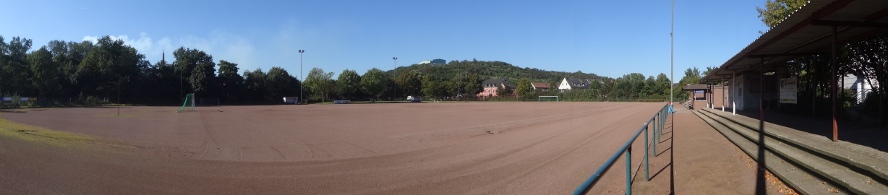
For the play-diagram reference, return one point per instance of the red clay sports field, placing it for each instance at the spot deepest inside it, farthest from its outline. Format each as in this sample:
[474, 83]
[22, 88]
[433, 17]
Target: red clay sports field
[385, 148]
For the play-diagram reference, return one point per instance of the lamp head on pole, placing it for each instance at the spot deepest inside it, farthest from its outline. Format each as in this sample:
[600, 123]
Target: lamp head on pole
[301, 51]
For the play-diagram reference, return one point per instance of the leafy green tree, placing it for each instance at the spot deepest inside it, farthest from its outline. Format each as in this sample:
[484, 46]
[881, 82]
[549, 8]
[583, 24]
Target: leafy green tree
[231, 84]
[433, 87]
[320, 83]
[162, 86]
[776, 10]
[595, 88]
[455, 85]
[504, 91]
[409, 82]
[523, 89]
[73, 53]
[45, 75]
[473, 86]
[349, 84]
[14, 69]
[374, 83]
[650, 89]
[279, 84]
[256, 85]
[691, 76]
[663, 84]
[198, 68]
[109, 61]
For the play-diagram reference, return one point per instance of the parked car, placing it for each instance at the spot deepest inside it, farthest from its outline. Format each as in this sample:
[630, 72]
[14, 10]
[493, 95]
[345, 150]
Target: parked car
[414, 99]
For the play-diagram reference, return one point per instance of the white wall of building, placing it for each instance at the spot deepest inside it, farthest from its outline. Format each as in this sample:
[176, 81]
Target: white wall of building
[859, 85]
[564, 85]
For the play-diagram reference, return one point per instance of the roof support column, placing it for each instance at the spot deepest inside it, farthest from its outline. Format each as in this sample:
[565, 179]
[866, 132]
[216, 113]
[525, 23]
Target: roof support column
[710, 96]
[833, 96]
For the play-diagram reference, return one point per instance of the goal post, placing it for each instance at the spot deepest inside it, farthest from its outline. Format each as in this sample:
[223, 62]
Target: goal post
[545, 98]
[188, 104]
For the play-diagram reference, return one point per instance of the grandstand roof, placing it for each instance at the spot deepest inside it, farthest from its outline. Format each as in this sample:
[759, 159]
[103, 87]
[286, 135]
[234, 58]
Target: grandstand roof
[807, 31]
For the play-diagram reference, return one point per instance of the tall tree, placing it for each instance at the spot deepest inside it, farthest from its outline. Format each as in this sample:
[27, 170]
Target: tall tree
[46, 74]
[280, 83]
[433, 87]
[231, 84]
[198, 69]
[473, 86]
[595, 88]
[374, 82]
[776, 10]
[256, 86]
[320, 83]
[110, 62]
[650, 88]
[523, 89]
[349, 84]
[163, 85]
[14, 69]
[663, 84]
[409, 82]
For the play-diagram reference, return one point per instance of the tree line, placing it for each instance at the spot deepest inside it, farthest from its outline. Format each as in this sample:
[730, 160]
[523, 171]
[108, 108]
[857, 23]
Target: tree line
[71, 73]
[64, 73]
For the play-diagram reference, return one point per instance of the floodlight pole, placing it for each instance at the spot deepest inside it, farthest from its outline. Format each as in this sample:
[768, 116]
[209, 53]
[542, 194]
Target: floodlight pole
[395, 92]
[672, 56]
[302, 79]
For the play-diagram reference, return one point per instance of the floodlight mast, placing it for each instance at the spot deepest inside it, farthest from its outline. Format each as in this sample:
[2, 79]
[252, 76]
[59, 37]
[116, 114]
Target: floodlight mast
[395, 92]
[302, 82]
[672, 57]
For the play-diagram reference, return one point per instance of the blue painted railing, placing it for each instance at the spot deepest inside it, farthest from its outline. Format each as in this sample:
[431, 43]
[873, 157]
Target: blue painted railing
[657, 121]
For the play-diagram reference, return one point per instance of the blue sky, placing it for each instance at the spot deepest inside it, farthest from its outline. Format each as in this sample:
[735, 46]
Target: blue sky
[609, 38]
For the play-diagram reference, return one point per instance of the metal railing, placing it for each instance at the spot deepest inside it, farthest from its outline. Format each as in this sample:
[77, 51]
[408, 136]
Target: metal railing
[658, 121]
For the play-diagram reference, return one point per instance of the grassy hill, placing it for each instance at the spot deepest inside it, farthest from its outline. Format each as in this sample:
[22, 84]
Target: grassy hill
[492, 69]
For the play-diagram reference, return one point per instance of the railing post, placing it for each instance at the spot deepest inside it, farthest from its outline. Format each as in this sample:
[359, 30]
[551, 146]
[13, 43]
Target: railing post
[646, 162]
[629, 170]
[656, 138]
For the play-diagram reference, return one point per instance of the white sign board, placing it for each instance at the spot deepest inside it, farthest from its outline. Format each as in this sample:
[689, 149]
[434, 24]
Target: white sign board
[788, 90]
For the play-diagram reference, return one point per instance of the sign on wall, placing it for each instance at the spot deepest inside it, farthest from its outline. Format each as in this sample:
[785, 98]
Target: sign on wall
[788, 90]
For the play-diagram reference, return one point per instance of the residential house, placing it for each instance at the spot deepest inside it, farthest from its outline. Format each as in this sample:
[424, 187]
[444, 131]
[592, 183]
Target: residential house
[540, 86]
[859, 86]
[492, 85]
[569, 84]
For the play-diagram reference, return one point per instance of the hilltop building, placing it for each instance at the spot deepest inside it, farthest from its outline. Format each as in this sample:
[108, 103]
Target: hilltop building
[435, 61]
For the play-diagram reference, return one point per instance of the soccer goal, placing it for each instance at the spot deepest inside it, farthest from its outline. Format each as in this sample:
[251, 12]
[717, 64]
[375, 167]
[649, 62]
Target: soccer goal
[547, 98]
[188, 104]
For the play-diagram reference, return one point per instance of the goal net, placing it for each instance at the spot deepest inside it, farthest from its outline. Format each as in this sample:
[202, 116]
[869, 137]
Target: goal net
[547, 98]
[188, 104]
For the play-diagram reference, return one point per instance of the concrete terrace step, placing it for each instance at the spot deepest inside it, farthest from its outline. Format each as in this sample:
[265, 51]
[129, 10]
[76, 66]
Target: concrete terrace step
[802, 181]
[872, 161]
[852, 171]
[820, 166]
